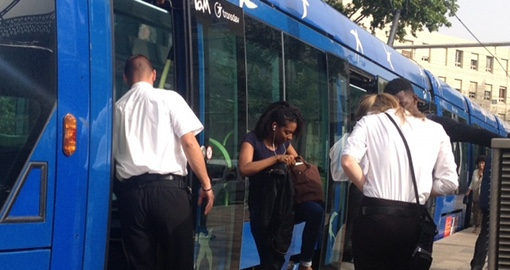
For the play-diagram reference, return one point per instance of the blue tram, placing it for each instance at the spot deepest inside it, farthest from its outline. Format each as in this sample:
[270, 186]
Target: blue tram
[61, 68]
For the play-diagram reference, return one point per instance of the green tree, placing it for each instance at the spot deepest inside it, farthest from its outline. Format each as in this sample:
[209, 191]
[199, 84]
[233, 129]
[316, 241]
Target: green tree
[413, 15]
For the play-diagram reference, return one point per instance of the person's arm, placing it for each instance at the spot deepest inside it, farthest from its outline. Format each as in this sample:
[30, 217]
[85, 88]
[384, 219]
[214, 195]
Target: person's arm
[473, 181]
[446, 179]
[460, 132]
[248, 167]
[353, 152]
[291, 151]
[196, 161]
[353, 171]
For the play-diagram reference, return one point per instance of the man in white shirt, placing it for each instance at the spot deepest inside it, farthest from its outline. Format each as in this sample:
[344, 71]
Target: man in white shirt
[154, 139]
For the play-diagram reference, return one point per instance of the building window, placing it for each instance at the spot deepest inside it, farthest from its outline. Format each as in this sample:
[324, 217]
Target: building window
[494, 102]
[407, 53]
[488, 92]
[458, 85]
[474, 61]
[473, 88]
[502, 116]
[489, 64]
[426, 57]
[487, 95]
[459, 55]
[502, 94]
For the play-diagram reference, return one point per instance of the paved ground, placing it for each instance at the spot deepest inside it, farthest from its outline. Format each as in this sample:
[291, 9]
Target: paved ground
[450, 253]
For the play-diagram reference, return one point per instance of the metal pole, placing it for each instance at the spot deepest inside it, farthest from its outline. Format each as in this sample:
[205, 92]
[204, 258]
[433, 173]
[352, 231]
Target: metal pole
[394, 27]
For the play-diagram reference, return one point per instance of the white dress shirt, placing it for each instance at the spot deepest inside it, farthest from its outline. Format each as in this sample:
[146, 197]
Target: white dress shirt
[389, 175]
[148, 125]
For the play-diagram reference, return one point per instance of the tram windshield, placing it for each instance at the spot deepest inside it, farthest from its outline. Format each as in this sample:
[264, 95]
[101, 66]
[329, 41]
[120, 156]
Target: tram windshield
[28, 88]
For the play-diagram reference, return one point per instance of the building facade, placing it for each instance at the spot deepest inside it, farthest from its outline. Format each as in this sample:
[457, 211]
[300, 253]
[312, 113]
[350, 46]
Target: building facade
[481, 72]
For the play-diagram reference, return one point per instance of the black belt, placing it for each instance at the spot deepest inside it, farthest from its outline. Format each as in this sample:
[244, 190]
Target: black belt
[390, 211]
[152, 179]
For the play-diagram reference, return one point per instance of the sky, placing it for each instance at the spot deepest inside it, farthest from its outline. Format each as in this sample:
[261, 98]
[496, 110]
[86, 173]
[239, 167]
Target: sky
[488, 20]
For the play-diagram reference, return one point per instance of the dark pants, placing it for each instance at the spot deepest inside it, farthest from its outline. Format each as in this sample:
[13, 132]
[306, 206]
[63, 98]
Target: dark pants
[312, 213]
[477, 212]
[270, 258]
[353, 209]
[385, 241]
[157, 226]
[482, 243]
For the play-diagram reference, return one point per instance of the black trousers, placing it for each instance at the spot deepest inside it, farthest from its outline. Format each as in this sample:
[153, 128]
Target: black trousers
[157, 224]
[482, 243]
[385, 234]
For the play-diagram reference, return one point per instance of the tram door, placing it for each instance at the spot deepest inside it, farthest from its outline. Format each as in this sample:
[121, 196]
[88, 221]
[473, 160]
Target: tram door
[218, 97]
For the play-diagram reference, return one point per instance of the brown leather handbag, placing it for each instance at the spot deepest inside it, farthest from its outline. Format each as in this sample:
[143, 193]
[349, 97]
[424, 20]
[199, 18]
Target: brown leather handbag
[307, 182]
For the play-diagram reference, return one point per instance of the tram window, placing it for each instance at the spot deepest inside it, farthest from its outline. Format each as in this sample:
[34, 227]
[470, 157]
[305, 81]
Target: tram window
[340, 121]
[264, 67]
[28, 88]
[460, 152]
[306, 87]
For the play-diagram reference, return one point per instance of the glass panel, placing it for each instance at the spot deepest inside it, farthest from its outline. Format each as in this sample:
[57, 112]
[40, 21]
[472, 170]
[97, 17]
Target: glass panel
[28, 82]
[460, 152]
[264, 68]
[219, 87]
[340, 125]
[307, 87]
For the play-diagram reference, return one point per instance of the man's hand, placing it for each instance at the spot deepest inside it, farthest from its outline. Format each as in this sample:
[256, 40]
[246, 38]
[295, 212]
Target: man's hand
[209, 197]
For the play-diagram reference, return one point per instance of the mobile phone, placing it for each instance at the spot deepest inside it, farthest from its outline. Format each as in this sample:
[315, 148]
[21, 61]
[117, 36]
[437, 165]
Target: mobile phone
[298, 163]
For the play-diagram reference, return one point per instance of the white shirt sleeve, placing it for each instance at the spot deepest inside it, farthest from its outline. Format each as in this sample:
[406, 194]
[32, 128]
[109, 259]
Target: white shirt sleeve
[446, 179]
[356, 145]
[183, 118]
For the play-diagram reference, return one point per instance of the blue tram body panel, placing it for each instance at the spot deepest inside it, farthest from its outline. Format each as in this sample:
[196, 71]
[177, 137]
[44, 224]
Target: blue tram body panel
[343, 38]
[503, 127]
[447, 98]
[100, 121]
[482, 118]
[320, 15]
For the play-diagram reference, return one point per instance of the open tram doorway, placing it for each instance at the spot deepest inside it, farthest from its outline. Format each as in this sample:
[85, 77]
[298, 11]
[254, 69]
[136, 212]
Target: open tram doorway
[140, 27]
[201, 56]
[361, 84]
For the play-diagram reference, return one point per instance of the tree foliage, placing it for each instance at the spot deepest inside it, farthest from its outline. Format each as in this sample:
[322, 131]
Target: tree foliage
[415, 15]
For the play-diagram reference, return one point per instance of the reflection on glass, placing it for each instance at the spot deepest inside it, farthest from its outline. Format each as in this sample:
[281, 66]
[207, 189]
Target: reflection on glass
[219, 76]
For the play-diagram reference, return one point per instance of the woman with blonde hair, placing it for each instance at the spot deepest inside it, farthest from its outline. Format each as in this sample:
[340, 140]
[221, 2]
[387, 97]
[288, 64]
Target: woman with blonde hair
[387, 229]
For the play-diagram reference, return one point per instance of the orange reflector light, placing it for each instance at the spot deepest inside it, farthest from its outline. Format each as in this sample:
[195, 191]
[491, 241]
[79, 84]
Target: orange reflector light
[70, 131]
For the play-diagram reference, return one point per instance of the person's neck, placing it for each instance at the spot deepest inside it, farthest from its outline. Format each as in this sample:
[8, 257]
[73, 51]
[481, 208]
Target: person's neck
[414, 110]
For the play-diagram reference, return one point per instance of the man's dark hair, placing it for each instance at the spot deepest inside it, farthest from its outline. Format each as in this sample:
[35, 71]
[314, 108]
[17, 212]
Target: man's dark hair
[397, 85]
[137, 63]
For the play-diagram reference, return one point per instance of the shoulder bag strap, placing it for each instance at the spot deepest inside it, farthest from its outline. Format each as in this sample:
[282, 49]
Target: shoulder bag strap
[409, 157]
